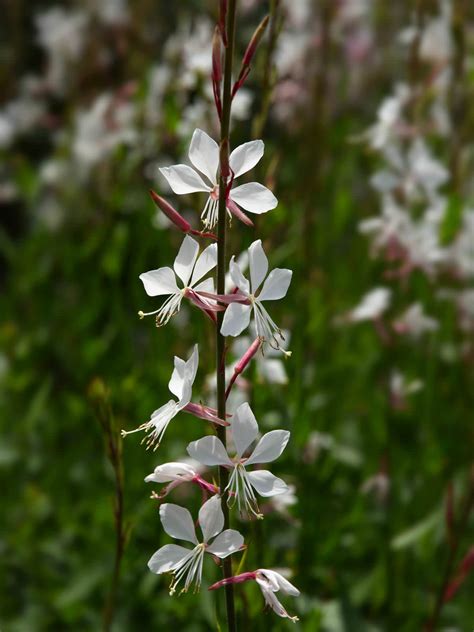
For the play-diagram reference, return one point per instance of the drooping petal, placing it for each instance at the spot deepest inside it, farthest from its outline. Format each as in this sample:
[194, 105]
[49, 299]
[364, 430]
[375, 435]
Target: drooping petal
[159, 282]
[272, 601]
[245, 157]
[278, 582]
[237, 277]
[244, 428]
[276, 285]
[170, 472]
[236, 319]
[258, 263]
[226, 543]
[204, 154]
[254, 197]
[211, 518]
[183, 179]
[167, 558]
[206, 262]
[209, 451]
[186, 258]
[269, 448]
[177, 522]
[266, 484]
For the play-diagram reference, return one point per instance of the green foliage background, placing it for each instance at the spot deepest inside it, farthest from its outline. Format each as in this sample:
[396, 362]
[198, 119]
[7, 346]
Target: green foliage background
[68, 308]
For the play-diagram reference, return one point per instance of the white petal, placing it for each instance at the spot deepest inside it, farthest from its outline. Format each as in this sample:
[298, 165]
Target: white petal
[269, 448]
[258, 264]
[206, 262]
[272, 600]
[236, 319]
[204, 154]
[186, 258]
[209, 451]
[205, 286]
[273, 371]
[266, 483]
[276, 285]
[177, 522]
[167, 558]
[254, 197]
[245, 157]
[184, 371]
[279, 582]
[183, 179]
[185, 396]
[159, 282]
[211, 518]
[244, 428]
[192, 364]
[237, 277]
[170, 472]
[226, 543]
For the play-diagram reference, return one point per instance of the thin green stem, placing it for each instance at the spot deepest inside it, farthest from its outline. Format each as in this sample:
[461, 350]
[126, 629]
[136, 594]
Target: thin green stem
[221, 270]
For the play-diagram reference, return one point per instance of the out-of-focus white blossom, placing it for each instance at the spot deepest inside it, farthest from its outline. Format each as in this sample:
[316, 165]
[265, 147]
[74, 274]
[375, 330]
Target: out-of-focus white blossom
[371, 306]
[414, 322]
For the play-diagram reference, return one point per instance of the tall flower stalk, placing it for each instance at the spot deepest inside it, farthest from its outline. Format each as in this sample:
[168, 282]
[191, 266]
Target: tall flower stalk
[231, 312]
[229, 40]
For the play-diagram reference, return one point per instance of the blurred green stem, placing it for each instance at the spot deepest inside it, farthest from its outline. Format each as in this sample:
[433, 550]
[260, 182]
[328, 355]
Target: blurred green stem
[456, 539]
[221, 270]
[113, 445]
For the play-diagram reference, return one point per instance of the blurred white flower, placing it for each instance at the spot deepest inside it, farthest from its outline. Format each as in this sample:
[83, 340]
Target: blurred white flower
[414, 322]
[61, 33]
[372, 305]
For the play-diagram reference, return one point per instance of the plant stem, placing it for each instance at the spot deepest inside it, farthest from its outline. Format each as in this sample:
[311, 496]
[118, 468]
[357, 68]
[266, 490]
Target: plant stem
[221, 269]
[459, 529]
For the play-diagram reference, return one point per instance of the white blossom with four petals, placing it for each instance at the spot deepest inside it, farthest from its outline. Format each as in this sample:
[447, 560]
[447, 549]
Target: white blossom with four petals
[183, 562]
[275, 287]
[180, 384]
[190, 268]
[204, 155]
[243, 484]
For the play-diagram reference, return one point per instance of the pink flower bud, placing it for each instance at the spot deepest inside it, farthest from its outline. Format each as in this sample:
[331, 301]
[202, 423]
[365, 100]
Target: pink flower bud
[170, 212]
[237, 579]
[244, 362]
[249, 54]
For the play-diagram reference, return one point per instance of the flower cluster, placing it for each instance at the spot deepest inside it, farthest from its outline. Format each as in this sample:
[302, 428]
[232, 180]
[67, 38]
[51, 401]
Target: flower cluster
[232, 312]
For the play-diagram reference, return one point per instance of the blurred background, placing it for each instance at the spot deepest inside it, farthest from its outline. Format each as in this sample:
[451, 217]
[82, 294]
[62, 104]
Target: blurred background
[366, 111]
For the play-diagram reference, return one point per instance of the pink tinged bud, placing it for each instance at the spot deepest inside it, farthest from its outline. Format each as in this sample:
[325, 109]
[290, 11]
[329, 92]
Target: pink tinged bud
[224, 158]
[177, 219]
[237, 579]
[206, 486]
[235, 210]
[249, 54]
[217, 70]
[244, 362]
[235, 297]
[462, 573]
[206, 413]
[170, 212]
[222, 20]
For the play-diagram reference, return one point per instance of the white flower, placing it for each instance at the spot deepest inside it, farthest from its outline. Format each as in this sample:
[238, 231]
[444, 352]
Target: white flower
[183, 562]
[211, 451]
[178, 472]
[180, 385]
[271, 582]
[204, 155]
[372, 305]
[237, 315]
[415, 322]
[190, 269]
